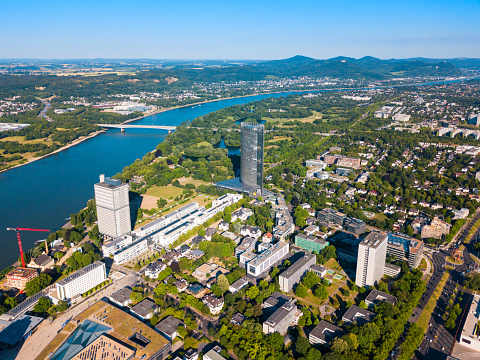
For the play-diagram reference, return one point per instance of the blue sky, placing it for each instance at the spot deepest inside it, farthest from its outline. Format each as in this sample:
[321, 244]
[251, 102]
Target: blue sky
[261, 29]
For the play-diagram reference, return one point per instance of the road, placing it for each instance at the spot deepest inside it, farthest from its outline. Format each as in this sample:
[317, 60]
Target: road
[43, 113]
[442, 339]
[47, 331]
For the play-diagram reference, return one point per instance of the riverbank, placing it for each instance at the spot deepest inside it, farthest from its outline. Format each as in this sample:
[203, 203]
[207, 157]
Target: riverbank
[73, 143]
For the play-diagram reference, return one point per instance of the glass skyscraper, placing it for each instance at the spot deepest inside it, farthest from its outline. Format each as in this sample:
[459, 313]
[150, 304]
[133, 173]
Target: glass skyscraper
[251, 164]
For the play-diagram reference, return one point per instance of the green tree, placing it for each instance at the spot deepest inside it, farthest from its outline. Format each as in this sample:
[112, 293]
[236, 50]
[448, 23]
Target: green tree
[38, 283]
[11, 302]
[321, 292]
[222, 283]
[252, 292]
[301, 291]
[42, 305]
[302, 345]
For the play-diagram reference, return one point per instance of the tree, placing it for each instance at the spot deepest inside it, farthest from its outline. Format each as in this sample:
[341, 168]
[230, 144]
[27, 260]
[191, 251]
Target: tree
[201, 232]
[38, 283]
[311, 279]
[301, 291]
[72, 263]
[227, 215]
[154, 320]
[222, 283]
[86, 259]
[321, 292]
[182, 331]
[339, 346]
[276, 341]
[252, 292]
[161, 203]
[11, 302]
[302, 345]
[42, 305]
[190, 342]
[362, 305]
[61, 306]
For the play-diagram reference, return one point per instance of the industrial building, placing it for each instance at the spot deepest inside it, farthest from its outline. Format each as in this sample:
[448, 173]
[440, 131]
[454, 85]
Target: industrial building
[113, 207]
[372, 252]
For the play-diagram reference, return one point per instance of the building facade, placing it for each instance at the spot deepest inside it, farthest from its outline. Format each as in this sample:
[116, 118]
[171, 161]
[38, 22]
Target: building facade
[130, 252]
[372, 252]
[295, 272]
[310, 243]
[404, 247]
[281, 319]
[82, 280]
[113, 207]
[18, 277]
[251, 158]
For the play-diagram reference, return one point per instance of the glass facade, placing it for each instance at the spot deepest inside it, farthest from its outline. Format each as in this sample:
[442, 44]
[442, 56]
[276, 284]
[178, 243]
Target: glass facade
[251, 166]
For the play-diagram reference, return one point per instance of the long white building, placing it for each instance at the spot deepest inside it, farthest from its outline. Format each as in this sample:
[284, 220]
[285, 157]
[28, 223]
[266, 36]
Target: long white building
[81, 281]
[372, 252]
[165, 230]
[270, 255]
[130, 252]
[113, 207]
[116, 245]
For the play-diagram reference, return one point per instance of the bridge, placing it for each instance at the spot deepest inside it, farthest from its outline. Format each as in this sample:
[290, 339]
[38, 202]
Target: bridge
[126, 126]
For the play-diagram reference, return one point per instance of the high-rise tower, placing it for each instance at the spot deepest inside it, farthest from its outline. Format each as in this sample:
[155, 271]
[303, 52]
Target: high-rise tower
[372, 252]
[113, 207]
[251, 165]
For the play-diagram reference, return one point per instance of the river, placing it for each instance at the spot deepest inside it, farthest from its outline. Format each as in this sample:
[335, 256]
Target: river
[42, 194]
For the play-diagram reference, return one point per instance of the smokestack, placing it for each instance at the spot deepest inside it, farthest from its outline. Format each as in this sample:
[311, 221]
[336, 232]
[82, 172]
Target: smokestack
[46, 247]
[102, 178]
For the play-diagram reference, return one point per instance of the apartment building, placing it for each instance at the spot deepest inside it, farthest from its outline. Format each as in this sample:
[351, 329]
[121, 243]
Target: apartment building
[372, 252]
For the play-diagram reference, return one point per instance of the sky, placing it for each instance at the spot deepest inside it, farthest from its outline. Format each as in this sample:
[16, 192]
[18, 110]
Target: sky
[261, 29]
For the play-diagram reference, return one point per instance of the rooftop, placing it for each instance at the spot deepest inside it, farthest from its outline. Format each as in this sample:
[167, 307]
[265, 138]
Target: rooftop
[103, 348]
[326, 331]
[122, 295]
[15, 331]
[22, 272]
[80, 272]
[297, 265]
[377, 296]
[355, 313]
[169, 325]
[144, 308]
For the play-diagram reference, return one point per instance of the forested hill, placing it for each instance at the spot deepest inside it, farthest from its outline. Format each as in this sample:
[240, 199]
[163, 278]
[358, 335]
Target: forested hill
[368, 68]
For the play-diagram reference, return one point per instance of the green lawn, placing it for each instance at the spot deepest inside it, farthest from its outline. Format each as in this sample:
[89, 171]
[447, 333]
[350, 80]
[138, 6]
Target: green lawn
[164, 191]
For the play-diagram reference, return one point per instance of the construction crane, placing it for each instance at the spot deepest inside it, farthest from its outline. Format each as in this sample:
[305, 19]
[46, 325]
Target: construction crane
[17, 230]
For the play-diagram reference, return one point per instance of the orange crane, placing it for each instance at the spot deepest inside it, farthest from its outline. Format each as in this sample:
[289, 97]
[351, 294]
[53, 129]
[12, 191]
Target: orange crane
[17, 230]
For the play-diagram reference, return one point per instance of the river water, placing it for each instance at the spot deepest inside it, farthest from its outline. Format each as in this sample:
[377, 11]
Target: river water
[43, 194]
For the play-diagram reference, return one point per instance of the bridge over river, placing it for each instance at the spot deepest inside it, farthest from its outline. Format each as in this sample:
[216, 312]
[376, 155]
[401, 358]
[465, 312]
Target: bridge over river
[123, 127]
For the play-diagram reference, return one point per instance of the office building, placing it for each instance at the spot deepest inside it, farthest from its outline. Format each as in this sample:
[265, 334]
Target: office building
[310, 243]
[247, 244]
[275, 302]
[282, 319]
[121, 297]
[470, 336]
[270, 255]
[324, 333]
[372, 252]
[18, 277]
[238, 285]
[354, 226]
[357, 315]
[116, 245]
[328, 215]
[375, 297]
[168, 327]
[113, 207]
[251, 161]
[130, 252]
[81, 281]
[292, 276]
[401, 246]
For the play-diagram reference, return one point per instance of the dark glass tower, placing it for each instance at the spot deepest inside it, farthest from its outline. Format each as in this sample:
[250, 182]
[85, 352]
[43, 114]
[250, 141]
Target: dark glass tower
[251, 165]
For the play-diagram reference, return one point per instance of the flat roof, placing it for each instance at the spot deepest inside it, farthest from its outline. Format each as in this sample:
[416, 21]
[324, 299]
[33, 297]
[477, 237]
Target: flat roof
[377, 296]
[123, 326]
[16, 330]
[81, 272]
[24, 272]
[355, 313]
[122, 295]
[297, 265]
[103, 348]
[326, 331]
[144, 307]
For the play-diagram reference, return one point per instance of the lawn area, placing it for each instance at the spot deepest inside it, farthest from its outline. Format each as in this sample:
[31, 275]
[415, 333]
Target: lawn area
[69, 327]
[165, 191]
[427, 312]
[21, 140]
[423, 265]
[333, 264]
[197, 183]
[54, 344]
[332, 288]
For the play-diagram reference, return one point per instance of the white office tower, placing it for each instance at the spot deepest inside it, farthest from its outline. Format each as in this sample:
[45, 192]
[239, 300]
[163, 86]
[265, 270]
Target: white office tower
[372, 252]
[113, 207]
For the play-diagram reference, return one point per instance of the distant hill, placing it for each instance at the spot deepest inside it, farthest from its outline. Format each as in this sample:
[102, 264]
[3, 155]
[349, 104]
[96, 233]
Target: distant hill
[368, 68]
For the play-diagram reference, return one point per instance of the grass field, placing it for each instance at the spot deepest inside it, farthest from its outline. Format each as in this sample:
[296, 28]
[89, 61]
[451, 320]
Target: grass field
[21, 140]
[472, 231]
[197, 183]
[165, 191]
[427, 312]
[333, 264]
